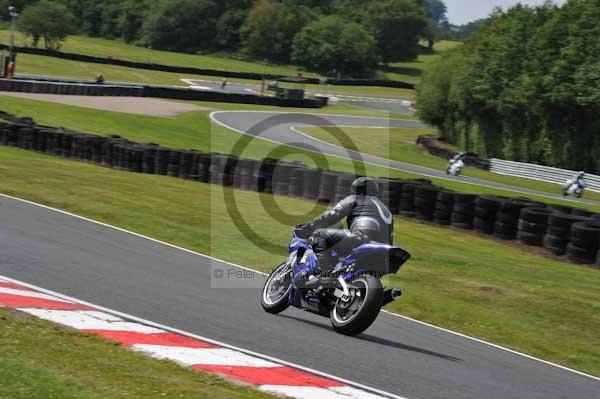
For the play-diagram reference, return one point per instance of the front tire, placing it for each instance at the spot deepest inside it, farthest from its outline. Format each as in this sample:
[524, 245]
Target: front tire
[355, 316]
[276, 291]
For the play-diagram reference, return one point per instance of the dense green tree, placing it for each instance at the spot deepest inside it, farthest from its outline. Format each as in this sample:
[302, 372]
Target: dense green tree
[182, 25]
[525, 87]
[397, 25]
[270, 29]
[46, 20]
[436, 10]
[333, 45]
[228, 29]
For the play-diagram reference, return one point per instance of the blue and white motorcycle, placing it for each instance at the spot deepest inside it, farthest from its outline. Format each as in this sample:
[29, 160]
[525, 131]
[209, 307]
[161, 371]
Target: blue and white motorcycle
[574, 188]
[351, 294]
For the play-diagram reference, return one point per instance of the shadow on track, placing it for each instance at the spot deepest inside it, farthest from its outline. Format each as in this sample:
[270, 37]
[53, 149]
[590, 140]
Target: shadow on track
[380, 341]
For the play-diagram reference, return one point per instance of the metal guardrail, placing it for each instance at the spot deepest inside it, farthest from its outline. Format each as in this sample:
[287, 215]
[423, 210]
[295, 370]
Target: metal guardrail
[538, 172]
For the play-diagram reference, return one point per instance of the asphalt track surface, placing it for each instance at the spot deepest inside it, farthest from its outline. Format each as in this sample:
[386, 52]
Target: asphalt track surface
[281, 127]
[131, 274]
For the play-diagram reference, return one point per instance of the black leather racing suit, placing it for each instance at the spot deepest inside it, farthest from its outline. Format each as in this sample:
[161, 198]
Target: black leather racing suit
[367, 217]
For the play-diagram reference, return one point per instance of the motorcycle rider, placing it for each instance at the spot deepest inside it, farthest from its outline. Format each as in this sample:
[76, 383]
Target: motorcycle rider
[579, 180]
[456, 159]
[368, 219]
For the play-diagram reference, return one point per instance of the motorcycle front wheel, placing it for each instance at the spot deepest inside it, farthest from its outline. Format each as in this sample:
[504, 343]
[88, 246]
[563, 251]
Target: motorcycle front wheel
[355, 315]
[276, 291]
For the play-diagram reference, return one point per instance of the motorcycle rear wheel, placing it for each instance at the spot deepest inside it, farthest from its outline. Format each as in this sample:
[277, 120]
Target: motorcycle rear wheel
[353, 317]
[277, 302]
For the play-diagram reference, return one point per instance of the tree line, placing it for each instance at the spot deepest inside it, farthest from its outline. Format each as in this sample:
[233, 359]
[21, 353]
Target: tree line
[525, 87]
[346, 37]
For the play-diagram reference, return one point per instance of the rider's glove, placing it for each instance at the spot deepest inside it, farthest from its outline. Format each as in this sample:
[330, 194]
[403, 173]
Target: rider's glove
[304, 230]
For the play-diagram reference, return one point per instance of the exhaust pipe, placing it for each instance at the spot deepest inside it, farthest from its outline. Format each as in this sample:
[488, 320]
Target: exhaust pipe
[392, 295]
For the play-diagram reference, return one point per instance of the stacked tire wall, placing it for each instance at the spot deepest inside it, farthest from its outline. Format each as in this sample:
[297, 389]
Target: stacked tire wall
[560, 230]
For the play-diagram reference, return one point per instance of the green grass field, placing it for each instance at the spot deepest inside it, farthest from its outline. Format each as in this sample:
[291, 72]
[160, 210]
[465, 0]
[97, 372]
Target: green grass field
[399, 144]
[411, 71]
[194, 130]
[41, 360]
[506, 294]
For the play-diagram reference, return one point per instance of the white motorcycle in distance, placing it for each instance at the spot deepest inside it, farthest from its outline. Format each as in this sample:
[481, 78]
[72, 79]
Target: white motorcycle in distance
[575, 187]
[455, 165]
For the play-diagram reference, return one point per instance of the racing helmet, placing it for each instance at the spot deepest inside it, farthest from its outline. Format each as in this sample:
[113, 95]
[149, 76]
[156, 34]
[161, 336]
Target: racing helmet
[365, 186]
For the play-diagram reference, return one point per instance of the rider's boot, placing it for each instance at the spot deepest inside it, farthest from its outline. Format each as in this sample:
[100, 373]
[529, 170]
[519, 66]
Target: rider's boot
[392, 295]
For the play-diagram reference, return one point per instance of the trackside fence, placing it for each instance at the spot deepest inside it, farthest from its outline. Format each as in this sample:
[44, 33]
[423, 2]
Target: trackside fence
[538, 172]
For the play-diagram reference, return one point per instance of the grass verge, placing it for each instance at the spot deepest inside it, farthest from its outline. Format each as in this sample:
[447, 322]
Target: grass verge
[509, 295]
[398, 144]
[41, 360]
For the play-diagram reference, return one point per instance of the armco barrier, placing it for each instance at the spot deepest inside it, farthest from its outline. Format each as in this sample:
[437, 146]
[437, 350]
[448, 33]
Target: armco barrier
[559, 229]
[538, 172]
[179, 93]
[201, 71]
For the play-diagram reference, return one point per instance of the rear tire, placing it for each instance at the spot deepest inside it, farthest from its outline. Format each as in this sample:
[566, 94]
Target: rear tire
[280, 304]
[365, 315]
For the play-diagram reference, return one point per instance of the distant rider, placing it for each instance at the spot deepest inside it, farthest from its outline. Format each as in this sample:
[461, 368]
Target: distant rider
[458, 157]
[368, 219]
[579, 180]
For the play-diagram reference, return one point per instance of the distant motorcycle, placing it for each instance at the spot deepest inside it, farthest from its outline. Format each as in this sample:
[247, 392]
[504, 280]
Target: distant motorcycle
[574, 188]
[455, 167]
[351, 295]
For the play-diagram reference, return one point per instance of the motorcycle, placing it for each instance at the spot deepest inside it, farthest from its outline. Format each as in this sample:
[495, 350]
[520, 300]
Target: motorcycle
[574, 188]
[455, 168]
[351, 295]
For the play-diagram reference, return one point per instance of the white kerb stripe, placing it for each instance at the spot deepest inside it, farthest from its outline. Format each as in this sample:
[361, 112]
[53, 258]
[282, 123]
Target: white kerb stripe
[317, 393]
[90, 320]
[353, 393]
[32, 294]
[192, 356]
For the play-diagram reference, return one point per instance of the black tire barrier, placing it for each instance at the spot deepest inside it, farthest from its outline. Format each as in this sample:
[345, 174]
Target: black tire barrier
[328, 187]
[532, 239]
[532, 228]
[536, 215]
[556, 245]
[186, 164]
[580, 255]
[505, 231]
[490, 203]
[149, 162]
[297, 182]
[582, 212]
[561, 208]
[586, 235]
[344, 186]
[265, 175]
[173, 163]
[162, 161]
[462, 221]
[483, 225]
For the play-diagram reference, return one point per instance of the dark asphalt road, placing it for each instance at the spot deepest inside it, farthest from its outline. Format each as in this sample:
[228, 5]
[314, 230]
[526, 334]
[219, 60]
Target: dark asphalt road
[131, 274]
[279, 127]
